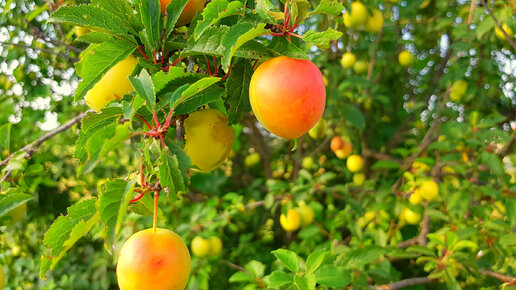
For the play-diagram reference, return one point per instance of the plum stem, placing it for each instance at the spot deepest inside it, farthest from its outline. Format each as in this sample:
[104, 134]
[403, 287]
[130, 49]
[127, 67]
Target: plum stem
[144, 120]
[155, 216]
[143, 53]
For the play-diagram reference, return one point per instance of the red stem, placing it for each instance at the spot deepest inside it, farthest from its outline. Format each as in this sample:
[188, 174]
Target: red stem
[140, 196]
[155, 61]
[155, 215]
[208, 65]
[167, 122]
[145, 121]
[155, 118]
[216, 66]
[227, 75]
[143, 53]
[162, 141]
[287, 15]
[277, 34]
[153, 134]
[162, 54]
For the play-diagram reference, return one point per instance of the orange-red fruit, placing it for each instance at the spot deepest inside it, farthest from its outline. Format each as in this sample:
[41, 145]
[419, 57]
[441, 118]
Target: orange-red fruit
[287, 96]
[191, 8]
[336, 143]
[153, 260]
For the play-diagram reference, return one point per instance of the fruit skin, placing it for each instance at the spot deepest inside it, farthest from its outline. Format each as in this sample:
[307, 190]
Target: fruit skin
[347, 19]
[153, 260]
[15, 215]
[200, 247]
[406, 58]
[113, 85]
[358, 179]
[336, 143]
[358, 16]
[374, 22]
[348, 60]
[361, 66]
[291, 222]
[215, 246]
[306, 213]
[208, 138]
[317, 132]
[500, 34]
[191, 8]
[415, 197]
[287, 96]
[252, 159]
[458, 90]
[355, 163]
[308, 163]
[411, 217]
[429, 190]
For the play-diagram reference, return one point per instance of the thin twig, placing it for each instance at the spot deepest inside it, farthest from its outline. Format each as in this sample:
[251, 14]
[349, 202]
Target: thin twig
[501, 277]
[507, 37]
[49, 51]
[404, 283]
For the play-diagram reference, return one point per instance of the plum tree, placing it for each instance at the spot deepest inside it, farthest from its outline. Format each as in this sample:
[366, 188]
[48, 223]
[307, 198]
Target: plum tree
[406, 58]
[200, 247]
[355, 163]
[287, 96]
[348, 60]
[153, 260]
[113, 85]
[191, 8]
[208, 126]
[291, 221]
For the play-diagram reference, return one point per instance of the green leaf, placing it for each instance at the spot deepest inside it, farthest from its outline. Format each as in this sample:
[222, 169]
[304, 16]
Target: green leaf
[214, 11]
[330, 7]
[123, 10]
[161, 79]
[197, 87]
[5, 137]
[301, 282]
[144, 87]
[256, 268]
[169, 173]
[288, 258]
[281, 46]
[237, 89]
[333, 276]
[202, 98]
[279, 278]
[66, 230]
[97, 61]
[362, 256]
[236, 36]
[422, 250]
[150, 14]
[315, 259]
[508, 240]
[493, 161]
[96, 37]
[464, 244]
[91, 17]
[114, 198]
[263, 7]
[321, 39]
[353, 115]
[11, 200]
[241, 277]
[174, 10]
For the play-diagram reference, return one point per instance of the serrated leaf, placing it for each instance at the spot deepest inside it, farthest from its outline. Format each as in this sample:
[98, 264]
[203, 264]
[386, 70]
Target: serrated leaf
[214, 11]
[362, 256]
[11, 200]
[66, 230]
[236, 36]
[169, 173]
[144, 87]
[421, 250]
[237, 89]
[257, 269]
[89, 16]
[508, 240]
[353, 116]
[288, 258]
[263, 8]
[149, 12]
[123, 10]
[174, 10]
[178, 82]
[97, 62]
[202, 98]
[279, 278]
[161, 79]
[241, 277]
[330, 7]
[314, 260]
[198, 87]
[281, 46]
[95, 37]
[333, 276]
[114, 198]
[321, 39]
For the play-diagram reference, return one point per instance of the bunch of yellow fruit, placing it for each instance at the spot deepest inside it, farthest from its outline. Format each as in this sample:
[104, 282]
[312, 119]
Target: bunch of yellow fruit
[359, 18]
[298, 217]
[206, 247]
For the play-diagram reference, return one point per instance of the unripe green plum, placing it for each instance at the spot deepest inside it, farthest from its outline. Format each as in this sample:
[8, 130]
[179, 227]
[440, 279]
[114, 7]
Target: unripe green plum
[308, 163]
[191, 8]
[348, 60]
[215, 246]
[458, 90]
[411, 217]
[208, 138]
[317, 132]
[200, 247]
[252, 159]
[306, 213]
[113, 85]
[153, 260]
[287, 96]
[358, 179]
[361, 67]
[406, 58]
[15, 215]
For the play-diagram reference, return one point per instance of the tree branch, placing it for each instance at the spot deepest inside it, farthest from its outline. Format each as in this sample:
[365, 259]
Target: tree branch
[33, 147]
[49, 51]
[507, 37]
[501, 277]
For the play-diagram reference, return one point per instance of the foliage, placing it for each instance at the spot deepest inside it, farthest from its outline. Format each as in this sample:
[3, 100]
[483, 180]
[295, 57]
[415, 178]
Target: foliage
[90, 187]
